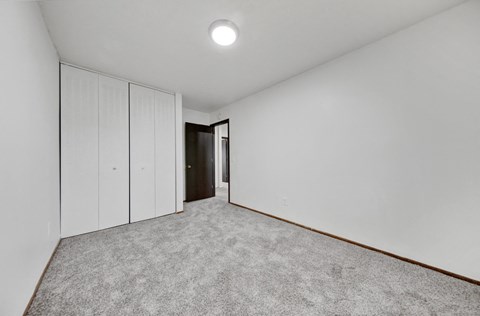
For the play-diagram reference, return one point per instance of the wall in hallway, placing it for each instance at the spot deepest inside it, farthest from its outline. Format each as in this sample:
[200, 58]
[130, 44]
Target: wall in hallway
[29, 163]
[380, 146]
[220, 131]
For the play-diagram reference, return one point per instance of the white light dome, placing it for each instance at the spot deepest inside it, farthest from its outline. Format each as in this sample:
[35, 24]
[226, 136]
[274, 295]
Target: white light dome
[223, 32]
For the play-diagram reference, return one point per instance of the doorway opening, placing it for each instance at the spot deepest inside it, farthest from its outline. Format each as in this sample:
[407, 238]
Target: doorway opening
[207, 161]
[222, 160]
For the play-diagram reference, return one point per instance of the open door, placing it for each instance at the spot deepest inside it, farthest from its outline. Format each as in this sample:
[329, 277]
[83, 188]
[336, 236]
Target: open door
[199, 160]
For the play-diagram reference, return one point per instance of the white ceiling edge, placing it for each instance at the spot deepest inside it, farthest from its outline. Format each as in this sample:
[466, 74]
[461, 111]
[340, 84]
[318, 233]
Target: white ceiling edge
[333, 59]
[66, 63]
[275, 47]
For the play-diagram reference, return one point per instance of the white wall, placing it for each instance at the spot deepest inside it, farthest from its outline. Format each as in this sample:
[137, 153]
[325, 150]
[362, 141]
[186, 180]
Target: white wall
[381, 146]
[220, 131]
[196, 117]
[217, 154]
[29, 159]
[179, 153]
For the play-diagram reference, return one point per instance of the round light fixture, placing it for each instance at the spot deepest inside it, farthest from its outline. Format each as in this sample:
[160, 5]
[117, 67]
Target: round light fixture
[223, 32]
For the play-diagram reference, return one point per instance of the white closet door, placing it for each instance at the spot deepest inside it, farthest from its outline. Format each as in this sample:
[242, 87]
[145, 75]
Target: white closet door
[113, 152]
[142, 153]
[79, 151]
[164, 153]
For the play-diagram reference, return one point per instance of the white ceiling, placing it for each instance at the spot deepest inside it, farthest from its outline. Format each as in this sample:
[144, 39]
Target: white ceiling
[165, 43]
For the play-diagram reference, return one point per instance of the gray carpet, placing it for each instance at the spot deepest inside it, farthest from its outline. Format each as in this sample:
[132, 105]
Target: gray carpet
[217, 259]
[222, 192]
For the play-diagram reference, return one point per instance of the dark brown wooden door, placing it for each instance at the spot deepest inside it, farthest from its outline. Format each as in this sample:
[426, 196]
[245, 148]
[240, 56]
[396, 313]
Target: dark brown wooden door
[199, 160]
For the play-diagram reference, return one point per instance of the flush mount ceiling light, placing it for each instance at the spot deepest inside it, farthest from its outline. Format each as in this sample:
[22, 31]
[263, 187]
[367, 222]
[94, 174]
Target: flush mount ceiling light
[223, 32]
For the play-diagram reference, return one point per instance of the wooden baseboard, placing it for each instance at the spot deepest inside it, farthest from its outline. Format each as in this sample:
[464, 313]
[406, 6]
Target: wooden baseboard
[41, 278]
[424, 265]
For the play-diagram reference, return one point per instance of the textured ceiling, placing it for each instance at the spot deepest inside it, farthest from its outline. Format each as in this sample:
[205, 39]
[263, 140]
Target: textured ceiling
[165, 43]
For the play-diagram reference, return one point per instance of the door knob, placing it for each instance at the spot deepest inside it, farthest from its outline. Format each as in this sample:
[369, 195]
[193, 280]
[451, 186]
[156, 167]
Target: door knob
[189, 167]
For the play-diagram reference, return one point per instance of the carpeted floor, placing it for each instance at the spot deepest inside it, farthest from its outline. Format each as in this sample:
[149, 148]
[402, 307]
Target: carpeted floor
[218, 259]
[222, 192]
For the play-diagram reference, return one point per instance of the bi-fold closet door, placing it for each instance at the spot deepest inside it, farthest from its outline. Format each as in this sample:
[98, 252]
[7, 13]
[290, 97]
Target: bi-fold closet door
[152, 153]
[101, 140]
[113, 159]
[79, 151]
[94, 152]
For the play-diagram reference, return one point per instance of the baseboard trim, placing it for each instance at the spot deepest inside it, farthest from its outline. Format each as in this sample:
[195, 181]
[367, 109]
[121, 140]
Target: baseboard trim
[424, 265]
[41, 279]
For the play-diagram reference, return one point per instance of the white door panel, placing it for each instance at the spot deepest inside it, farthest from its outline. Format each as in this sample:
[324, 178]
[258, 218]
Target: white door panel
[95, 124]
[142, 153]
[79, 151]
[113, 153]
[164, 153]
